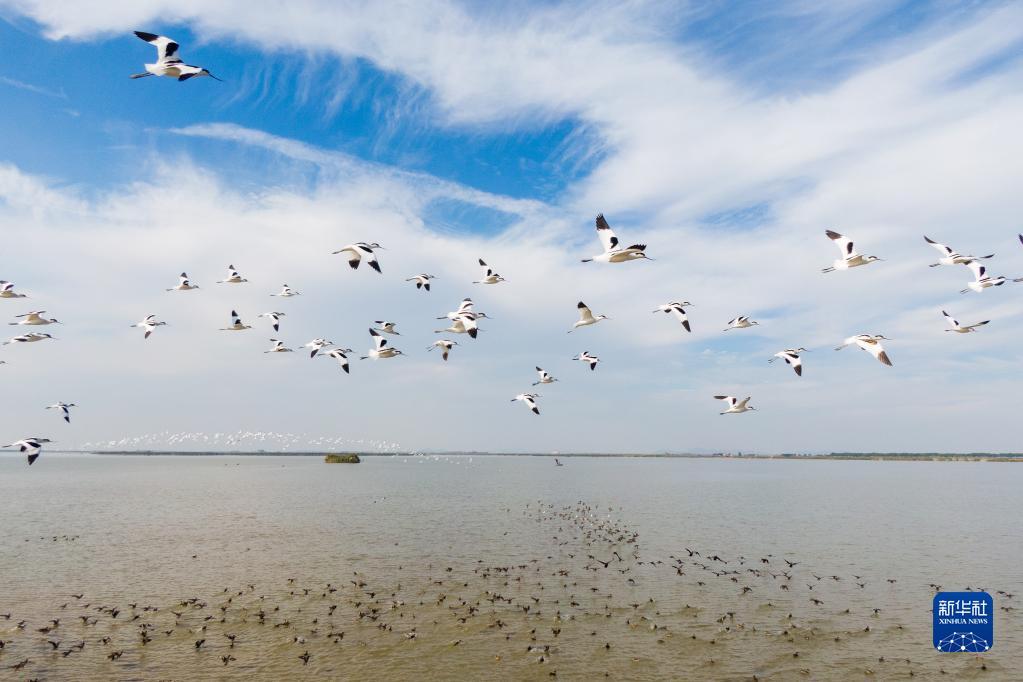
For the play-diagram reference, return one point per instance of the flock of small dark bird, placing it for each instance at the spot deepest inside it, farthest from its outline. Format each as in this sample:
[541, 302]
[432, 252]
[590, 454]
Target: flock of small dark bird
[589, 588]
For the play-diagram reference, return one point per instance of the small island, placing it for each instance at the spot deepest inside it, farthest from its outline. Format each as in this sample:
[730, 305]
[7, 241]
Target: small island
[342, 459]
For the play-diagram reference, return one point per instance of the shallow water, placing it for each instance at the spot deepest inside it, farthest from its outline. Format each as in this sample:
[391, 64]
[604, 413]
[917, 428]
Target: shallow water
[466, 568]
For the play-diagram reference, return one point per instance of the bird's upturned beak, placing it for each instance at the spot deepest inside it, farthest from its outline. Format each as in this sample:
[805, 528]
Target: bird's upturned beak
[214, 77]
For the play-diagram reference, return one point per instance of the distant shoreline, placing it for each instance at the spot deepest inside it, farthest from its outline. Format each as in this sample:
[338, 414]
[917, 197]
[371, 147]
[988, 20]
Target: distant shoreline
[852, 456]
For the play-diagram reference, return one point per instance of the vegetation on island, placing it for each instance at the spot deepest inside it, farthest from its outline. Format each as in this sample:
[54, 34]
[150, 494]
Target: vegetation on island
[342, 459]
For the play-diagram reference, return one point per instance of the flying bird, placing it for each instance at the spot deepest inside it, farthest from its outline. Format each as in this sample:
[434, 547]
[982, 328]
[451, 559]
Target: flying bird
[168, 63]
[465, 323]
[422, 281]
[316, 345]
[981, 280]
[287, 292]
[381, 349]
[276, 317]
[870, 343]
[7, 290]
[850, 258]
[791, 358]
[586, 317]
[356, 252]
[63, 407]
[588, 359]
[613, 251]
[34, 319]
[735, 406]
[490, 277]
[233, 277]
[545, 377]
[387, 327]
[184, 284]
[956, 327]
[149, 323]
[741, 322]
[678, 310]
[341, 355]
[530, 400]
[464, 320]
[32, 445]
[31, 337]
[950, 257]
[278, 347]
[236, 324]
[445, 345]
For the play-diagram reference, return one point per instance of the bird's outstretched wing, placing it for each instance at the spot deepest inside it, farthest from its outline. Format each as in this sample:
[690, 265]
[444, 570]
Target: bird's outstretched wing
[606, 234]
[166, 48]
[844, 244]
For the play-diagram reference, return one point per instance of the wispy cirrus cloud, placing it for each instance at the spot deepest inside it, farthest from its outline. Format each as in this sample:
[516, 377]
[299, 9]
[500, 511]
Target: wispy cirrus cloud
[29, 87]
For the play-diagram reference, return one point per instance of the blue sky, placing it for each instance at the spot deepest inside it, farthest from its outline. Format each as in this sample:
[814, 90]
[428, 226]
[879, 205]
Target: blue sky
[79, 122]
[728, 137]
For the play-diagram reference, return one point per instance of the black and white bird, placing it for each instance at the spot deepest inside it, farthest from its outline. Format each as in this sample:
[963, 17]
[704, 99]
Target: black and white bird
[233, 277]
[32, 445]
[466, 306]
[63, 407]
[950, 257]
[236, 324]
[356, 252]
[278, 347]
[184, 284]
[316, 345]
[791, 358]
[445, 345]
[678, 310]
[341, 355]
[530, 401]
[588, 359]
[735, 406]
[422, 281]
[275, 317]
[489, 276]
[7, 290]
[465, 323]
[870, 343]
[287, 292]
[981, 280]
[34, 318]
[741, 322]
[961, 329]
[850, 258]
[31, 337]
[586, 317]
[613, 250]
[149, 323]
[381, 351]
[386, 327]
[168, 63]
[545, 377]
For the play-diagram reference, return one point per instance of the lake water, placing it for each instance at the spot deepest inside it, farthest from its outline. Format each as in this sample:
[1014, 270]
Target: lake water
[479, 568]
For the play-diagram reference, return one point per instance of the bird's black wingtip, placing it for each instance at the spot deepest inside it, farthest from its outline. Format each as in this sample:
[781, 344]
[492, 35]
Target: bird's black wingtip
[148, 37]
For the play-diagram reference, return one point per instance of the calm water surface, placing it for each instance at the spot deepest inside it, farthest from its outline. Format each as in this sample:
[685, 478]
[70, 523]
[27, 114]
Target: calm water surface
[481, 568]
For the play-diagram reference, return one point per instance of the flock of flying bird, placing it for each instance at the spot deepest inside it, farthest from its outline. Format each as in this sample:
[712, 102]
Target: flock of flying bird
[465, 319]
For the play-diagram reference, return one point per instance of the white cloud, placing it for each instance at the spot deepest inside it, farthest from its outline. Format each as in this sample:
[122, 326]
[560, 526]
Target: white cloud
[905, 146]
